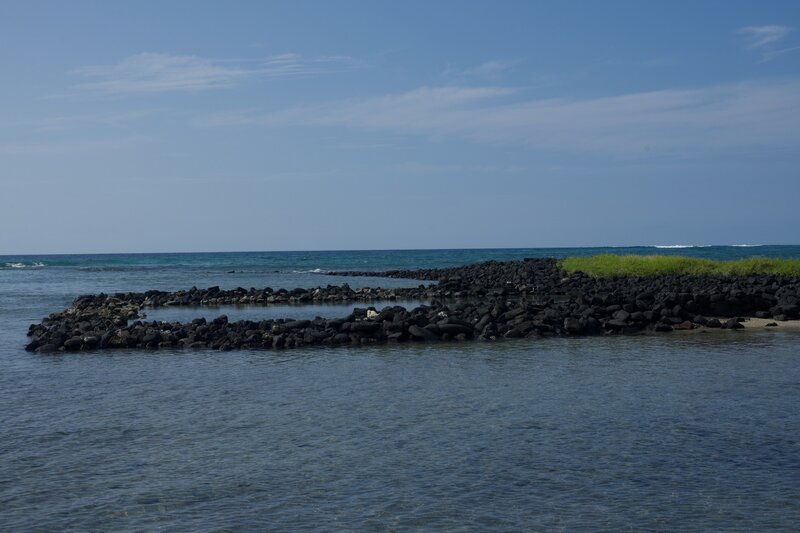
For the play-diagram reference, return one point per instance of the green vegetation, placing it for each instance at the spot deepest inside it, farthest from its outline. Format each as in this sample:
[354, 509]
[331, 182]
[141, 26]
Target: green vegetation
[607, 265]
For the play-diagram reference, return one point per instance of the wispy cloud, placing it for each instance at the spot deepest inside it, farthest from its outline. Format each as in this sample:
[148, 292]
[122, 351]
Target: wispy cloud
[412, 167]
[765, 39]
[755, 114]
[763, 36]
[70, 146]
[437, 111]
[488, 70]
[157, 73]
[769, 55]
[294, 65]
[150, 73]
[384, 111]
[67, 122]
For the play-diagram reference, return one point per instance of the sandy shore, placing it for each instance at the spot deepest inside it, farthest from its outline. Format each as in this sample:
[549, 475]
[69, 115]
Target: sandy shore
[762, 323]
[756, 324]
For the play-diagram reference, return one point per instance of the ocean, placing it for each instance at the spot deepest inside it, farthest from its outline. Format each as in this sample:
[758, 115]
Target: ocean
[663, 432]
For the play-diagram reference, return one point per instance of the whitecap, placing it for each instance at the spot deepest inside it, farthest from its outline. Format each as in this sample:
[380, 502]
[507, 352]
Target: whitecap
[36, 264]
[678, 246]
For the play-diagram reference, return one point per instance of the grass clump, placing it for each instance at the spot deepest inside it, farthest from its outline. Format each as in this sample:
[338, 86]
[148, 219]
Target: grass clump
[608, 265]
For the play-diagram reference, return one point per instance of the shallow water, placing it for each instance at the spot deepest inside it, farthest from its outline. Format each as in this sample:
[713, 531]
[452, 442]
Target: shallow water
[612, 433]
[662, 432]
[269, 312]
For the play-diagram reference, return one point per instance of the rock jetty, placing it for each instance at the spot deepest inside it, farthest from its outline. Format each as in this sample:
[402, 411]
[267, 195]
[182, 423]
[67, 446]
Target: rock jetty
[487, 301]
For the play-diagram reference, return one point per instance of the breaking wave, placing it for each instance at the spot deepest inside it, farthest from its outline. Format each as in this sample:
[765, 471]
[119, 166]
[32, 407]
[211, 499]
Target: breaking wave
[678, 246]
[675, 246]
[35, 264]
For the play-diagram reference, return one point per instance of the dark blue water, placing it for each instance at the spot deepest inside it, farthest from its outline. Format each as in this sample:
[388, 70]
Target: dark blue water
[690, 432]
[364, 260]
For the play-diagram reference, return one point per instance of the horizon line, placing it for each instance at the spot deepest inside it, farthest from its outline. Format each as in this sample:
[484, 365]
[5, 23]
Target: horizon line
[654, 246]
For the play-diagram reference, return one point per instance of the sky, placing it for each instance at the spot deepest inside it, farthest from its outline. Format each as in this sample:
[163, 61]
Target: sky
[228, 126]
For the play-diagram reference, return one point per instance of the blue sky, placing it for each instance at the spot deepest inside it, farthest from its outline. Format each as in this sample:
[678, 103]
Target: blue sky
[191, 126]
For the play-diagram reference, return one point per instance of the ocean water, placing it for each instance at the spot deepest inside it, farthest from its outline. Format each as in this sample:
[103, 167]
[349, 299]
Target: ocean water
[690, 432]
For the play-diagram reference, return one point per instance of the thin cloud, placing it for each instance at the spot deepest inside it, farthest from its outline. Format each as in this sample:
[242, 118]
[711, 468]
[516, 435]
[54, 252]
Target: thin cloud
[759, 37]
[733, 116]
[153, 73]
[765, 39]
[412, 167]
[490, 68]
[487, 70]
[158, 73]
[67, 122]
[380, 111]
[294, 65]
[70, 146]
[772, 54]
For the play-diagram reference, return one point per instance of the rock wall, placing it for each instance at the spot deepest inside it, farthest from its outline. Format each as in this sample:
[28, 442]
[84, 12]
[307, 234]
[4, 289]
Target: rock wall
[487, 301]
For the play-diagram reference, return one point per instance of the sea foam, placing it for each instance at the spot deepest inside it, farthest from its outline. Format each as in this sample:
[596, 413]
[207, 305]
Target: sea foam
[35, 264]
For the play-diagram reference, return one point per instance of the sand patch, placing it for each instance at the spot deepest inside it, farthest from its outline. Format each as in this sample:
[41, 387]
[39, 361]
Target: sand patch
[753, 324]
[761, 323]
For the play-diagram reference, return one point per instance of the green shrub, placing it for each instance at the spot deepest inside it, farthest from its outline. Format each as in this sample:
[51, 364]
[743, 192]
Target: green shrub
[607, 265]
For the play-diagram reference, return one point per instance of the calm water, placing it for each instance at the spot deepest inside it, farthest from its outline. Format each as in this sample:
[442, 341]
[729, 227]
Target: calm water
[692, 432]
